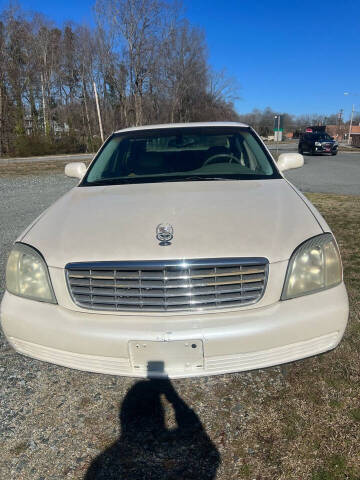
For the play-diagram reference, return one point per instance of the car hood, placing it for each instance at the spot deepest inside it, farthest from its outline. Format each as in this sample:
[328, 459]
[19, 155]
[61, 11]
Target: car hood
[253, 218]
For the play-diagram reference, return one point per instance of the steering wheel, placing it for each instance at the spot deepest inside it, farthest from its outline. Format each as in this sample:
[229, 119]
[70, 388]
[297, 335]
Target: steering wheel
[222, 155]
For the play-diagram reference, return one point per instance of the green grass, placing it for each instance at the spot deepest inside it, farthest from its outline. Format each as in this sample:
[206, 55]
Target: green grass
[335, 469]
[355, 413]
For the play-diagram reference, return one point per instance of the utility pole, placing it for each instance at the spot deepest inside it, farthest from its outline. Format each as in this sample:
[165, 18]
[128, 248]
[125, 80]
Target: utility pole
[98, 112]
[356, 94]
[43, 103]
[351, 121]
[1, 125]
[277, 131]
[340, 114]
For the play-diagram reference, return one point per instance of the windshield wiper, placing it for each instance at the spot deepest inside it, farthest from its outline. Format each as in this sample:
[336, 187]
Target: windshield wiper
[154, 179]
[108, 181]
[203, 177]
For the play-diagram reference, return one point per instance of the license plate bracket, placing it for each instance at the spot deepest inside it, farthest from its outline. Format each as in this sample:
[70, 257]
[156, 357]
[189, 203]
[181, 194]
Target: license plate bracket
[159, 357]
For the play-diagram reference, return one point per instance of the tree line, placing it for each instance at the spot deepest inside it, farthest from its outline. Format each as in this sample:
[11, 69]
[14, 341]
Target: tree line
[263, 120]
[148, 62]
[149, 65]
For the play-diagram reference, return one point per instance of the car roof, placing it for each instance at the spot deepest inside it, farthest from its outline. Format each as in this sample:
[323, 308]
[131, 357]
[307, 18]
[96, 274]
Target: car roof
[184, 125]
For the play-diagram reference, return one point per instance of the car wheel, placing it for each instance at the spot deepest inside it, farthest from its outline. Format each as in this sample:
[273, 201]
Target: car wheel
[334, 153]
[312, 151]
[300, 150]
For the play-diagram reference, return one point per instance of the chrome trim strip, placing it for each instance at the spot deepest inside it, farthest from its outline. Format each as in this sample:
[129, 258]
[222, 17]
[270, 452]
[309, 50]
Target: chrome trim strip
[148, 264]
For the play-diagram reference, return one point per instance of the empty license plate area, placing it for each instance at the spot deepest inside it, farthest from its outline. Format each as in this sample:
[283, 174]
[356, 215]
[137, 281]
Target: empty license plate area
[162, 357]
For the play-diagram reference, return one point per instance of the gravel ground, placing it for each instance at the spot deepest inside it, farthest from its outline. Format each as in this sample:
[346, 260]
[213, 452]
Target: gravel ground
[23, 198]
[54, 422]
[57, 423]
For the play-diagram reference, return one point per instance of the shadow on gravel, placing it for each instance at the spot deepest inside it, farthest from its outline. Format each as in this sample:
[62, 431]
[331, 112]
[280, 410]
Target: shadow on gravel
[147, 449]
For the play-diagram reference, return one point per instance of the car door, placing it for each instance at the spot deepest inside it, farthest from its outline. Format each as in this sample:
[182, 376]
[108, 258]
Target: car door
[309, 142]
[304, 144]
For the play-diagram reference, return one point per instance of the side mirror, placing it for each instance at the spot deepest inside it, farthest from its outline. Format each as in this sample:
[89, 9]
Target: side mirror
[287, 161]
[75, 169]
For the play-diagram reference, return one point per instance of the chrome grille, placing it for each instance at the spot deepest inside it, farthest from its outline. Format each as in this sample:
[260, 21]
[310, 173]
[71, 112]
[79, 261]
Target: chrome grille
[162, 286]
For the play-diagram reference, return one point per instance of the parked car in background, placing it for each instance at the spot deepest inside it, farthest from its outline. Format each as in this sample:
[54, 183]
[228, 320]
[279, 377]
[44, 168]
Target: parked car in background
[182, 251]
[317, 143]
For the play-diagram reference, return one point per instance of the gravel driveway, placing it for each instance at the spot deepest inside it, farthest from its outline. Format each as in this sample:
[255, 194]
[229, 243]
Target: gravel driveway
[57, 423]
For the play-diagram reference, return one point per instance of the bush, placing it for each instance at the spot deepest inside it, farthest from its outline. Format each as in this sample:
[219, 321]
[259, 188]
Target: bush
[37, 145]
[68, 144]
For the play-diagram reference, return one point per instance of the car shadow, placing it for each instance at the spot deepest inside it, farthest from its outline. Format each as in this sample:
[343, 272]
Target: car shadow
[147, 449]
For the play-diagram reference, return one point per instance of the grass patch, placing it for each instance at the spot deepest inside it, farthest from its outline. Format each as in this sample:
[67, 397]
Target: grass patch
[355, 413]
[303, 418]
[336, 469]
[20, 448]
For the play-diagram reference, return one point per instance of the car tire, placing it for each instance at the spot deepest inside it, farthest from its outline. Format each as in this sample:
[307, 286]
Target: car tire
[312, 151]
[300, 150]
[334, 153]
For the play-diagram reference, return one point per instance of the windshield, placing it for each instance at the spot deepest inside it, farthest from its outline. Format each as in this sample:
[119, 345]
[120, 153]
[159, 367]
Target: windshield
[180, 154]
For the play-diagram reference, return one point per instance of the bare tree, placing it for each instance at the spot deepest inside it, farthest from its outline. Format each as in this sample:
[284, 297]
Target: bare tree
[149, 64]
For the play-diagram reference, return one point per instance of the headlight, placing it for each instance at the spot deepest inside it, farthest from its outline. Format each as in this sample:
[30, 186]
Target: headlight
[27, 274]
[315, 265]
[317, 144]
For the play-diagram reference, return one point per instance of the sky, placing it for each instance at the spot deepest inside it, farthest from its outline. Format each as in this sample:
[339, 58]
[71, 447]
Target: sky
[294, 56]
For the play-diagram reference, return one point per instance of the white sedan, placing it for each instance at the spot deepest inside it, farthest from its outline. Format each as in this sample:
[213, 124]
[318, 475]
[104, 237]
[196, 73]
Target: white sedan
[182, 251]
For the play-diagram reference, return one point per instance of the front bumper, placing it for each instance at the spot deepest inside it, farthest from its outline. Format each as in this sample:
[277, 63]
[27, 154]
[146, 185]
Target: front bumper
[333, 149]
[224, 341]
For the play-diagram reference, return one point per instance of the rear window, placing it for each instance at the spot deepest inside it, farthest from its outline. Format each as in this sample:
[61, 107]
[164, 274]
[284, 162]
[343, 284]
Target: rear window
[317, 137]
[322, 137]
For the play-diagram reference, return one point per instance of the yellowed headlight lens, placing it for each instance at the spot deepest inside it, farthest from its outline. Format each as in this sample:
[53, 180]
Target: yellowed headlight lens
[315, 265]
[27, 274]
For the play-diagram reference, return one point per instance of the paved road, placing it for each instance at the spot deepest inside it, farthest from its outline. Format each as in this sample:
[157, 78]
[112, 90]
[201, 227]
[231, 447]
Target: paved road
[326, 174]
[339, 174]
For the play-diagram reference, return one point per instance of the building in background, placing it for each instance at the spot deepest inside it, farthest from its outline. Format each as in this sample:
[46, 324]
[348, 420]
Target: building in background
[337, 131]
[355, 136]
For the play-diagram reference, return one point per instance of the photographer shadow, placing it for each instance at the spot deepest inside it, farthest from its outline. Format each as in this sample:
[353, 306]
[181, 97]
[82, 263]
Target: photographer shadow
[148, 449]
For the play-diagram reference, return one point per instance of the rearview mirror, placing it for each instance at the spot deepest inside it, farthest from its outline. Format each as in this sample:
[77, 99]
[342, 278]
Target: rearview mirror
[75, 169]
[287, 161]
